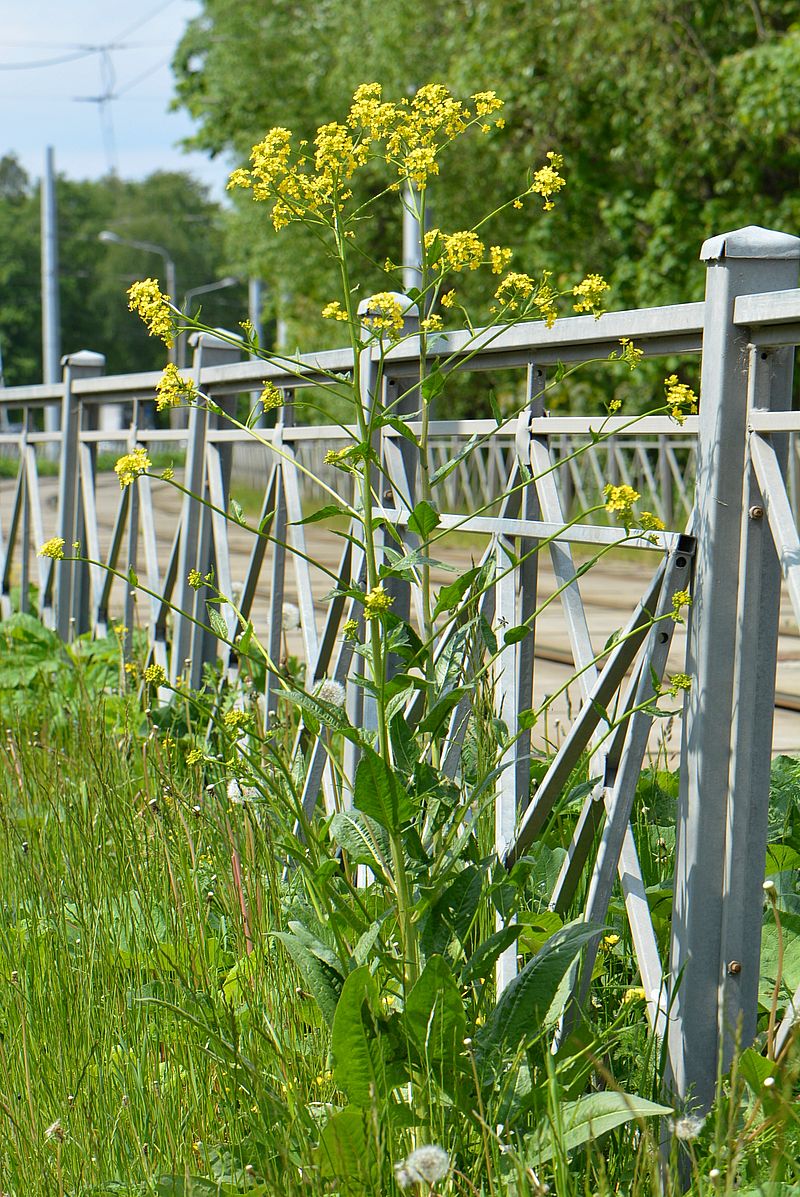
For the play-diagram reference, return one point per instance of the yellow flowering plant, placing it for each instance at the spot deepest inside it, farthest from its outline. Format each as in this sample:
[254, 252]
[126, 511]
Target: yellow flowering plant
[398, 812]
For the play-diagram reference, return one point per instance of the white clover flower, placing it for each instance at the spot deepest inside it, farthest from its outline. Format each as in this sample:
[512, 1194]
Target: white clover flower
[331, 692]
[425, 1165]
[290, 617]
[687, 1127]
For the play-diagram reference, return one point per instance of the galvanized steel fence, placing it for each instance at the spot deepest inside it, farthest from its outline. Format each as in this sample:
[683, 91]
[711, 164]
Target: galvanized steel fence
[719, 482]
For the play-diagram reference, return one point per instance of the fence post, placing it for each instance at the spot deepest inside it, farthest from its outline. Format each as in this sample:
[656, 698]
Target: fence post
[745, 261]
[84, 364]
[190, 643]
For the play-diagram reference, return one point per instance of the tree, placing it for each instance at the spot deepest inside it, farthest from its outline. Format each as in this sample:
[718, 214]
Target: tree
[169, 208]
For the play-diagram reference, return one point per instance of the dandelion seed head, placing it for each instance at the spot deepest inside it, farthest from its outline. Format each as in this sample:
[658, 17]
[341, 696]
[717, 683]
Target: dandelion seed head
[331, 692]
[687, 1127]
[290, 617]
[425, 1165]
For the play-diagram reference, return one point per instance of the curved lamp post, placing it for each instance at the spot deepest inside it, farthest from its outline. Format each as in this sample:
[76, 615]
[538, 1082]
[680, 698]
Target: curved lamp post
[110, 238]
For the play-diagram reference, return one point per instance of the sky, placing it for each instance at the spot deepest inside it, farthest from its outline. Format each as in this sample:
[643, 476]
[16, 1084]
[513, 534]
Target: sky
[117, 48]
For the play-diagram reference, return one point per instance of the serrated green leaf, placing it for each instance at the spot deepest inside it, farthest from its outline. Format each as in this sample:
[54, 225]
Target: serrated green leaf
[238, 513]
[378, 794]
[364, 840]
[218, 624]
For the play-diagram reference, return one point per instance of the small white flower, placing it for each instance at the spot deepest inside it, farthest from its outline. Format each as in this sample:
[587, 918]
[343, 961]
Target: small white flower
[687, 1127]
[769, 887]
[769, 1082]
[331, 692]
[425, 1165]
[290, 617]
[714, 1174]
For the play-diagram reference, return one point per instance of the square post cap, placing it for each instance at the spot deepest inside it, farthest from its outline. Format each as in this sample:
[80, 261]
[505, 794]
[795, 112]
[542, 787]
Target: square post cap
[751, 242]
[85, 359]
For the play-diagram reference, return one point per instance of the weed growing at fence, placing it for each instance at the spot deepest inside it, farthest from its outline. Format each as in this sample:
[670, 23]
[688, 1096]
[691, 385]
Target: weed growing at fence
[353, 837]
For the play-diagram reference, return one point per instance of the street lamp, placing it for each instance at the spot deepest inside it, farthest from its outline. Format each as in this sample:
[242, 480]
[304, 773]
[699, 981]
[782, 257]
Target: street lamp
[110, 238]
[228, 281]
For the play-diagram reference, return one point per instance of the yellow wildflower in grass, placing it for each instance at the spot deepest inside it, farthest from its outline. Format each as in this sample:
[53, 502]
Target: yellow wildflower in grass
[610, 941]
[620, 500]
[235, 719]
[131, 465]
[155, 675]
[377, 602]
[350, 629]
[499, 258]
[270, 397]
[650, 523]
[448, 299]
[681, 401]
[54, 547]
[680, 599]
[678, 683]
[431, 323]
[547, 182]
[384, 314]
[146, 299]
[195, 756]
[334, 311]
[195, 579]
[589, 294]
[172, 388]
[635, 994]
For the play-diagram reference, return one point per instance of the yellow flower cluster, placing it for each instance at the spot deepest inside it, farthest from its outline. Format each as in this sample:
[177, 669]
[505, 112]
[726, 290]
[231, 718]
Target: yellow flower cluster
[334, 311]
[650, 523]
[195, 579]
[350, 629]
[432, 323]
[155, 675]
[499, 258]
[589, 294]
[545, 300]
[547, 182]
[270, 397]
[145, 298]
[681, 401]
[679, 682]
[54, 547]
[300, 184]
[336, 457]
[515, 289]
[384, 314]
[461, 251]
[635, 994]
[131, 465]
[448, 299]
[680, 599]
[377, 602]
[234, 719]
[620, 500]
[628, 353]
[172, 388]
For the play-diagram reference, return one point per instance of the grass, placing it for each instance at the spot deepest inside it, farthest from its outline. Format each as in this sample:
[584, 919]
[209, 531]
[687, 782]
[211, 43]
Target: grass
[154, 1030]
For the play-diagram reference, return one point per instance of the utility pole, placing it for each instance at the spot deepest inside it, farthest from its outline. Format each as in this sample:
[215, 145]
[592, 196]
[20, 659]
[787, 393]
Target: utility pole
[51, 316]
[255, 303]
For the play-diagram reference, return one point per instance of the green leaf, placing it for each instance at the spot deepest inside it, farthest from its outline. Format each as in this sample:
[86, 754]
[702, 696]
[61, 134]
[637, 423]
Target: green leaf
[348, 1152]
[755, 1069]
[245, 638]
[481, 963]
[523, 1008]
[359, 1064]
[403, 428]
[238, 513]
[322, 976]
[324, 712]
[364, 840]
[423, 519]
[189, 1186]
[587, 1119]
[133, 577]
[514, 635]
[436, 716]
[433, 385]
[453, 913]
[322, 513]
[217, 622]
[377, 793]
[559, 371]
[450, 596]
[434, 1015]
[495, 406]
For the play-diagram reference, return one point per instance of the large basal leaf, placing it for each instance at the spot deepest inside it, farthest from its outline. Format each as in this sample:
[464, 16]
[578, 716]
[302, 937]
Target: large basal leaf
[378, 794]
[359, 1063]
[481, 964]
[348, 1153]
[525, 1004]
[587, 1119]
[319, 971]
[434, 1016]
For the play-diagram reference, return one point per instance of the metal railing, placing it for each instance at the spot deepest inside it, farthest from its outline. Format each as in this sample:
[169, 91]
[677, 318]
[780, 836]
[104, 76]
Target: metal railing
[741, 538]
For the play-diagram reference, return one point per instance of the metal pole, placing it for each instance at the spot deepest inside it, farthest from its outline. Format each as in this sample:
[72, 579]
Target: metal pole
[749, 260]
[255, 306]
[412, 251]
[51, 317]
